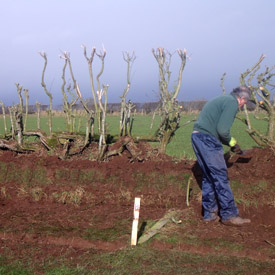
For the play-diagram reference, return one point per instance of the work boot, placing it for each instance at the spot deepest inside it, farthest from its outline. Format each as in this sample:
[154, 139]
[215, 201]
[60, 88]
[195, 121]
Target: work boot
[237, 221]
[213, 217]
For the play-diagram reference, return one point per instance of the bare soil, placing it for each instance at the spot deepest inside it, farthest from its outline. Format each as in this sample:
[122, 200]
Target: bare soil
[55, 208]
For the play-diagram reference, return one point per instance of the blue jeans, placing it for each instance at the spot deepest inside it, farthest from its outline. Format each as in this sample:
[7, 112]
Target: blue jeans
[216, 190]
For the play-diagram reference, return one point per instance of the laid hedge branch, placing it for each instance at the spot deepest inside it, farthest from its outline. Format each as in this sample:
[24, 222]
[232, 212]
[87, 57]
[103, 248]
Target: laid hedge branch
[155, 229]
[13, 146]
[42, 138]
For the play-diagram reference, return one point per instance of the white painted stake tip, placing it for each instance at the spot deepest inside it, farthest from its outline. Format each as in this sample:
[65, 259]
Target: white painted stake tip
[135, 221]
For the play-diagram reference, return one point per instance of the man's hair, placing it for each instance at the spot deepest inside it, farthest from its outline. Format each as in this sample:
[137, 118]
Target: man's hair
[242, 91]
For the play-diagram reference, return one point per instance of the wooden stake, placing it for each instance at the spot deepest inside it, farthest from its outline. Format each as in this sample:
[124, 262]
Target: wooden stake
[135, 221]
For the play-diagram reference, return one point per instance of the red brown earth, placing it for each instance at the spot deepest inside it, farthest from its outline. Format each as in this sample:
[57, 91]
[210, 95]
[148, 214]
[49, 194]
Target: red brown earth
[37, 222]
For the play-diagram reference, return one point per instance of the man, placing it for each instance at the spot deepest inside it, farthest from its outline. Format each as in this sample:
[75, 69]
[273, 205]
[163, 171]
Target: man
[211, 130]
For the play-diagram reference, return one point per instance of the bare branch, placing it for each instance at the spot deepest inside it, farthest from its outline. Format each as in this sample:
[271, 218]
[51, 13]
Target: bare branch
[222, 83]
[248, 71]
[182, 55]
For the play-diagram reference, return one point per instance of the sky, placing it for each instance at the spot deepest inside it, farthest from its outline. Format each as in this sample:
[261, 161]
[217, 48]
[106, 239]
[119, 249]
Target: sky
[220, 36]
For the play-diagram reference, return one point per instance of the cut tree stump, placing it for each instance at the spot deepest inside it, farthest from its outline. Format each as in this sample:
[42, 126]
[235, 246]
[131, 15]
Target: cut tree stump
[125, 143]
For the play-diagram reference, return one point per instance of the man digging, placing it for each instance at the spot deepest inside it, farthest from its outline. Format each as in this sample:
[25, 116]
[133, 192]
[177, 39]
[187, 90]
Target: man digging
[211, 130]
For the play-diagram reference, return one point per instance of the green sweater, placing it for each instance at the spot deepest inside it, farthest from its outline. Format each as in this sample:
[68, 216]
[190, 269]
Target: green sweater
[217, 117]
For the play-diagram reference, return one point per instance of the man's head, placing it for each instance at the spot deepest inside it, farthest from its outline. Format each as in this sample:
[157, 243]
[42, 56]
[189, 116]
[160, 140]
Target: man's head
[243, 94]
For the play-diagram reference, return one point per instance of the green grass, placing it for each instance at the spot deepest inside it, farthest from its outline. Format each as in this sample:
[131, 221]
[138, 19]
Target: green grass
[16, 267]
[160, 181]
[193, 239]
[180, 146]
[140, 260]
[248, 195]
[115, 232]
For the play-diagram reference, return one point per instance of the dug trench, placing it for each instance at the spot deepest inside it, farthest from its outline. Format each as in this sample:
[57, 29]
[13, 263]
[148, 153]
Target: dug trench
[53, 208]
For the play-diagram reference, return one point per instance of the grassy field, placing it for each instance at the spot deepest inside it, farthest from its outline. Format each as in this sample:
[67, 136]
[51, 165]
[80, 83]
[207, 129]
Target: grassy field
[180, 146]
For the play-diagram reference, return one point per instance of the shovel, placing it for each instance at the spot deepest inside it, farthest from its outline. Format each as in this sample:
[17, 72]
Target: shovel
[244, 156]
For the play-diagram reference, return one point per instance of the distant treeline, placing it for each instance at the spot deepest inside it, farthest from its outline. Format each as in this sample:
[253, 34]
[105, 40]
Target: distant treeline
[146, 108]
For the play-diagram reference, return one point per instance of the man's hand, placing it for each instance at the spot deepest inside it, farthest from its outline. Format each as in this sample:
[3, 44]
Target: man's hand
[236, 149]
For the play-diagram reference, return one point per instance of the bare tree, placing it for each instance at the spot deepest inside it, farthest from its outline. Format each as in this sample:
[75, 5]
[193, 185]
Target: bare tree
[170, 109]
[126, 108]
[4, 118]
[103, 108]
[12, 120]
[90, 112]
[26, 93]
[38, 112]
[21, 104]
[19, 91]
[264, 99]
[90, 60]
[44, 55]
[19, 125]
[68, 104]
[90, 119]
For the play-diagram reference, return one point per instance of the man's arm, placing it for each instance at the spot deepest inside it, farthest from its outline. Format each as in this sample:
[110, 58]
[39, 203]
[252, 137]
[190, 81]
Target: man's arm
[225, 122]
